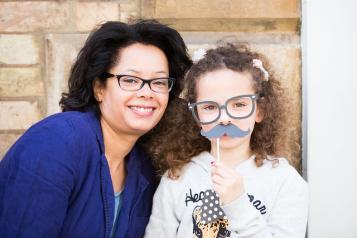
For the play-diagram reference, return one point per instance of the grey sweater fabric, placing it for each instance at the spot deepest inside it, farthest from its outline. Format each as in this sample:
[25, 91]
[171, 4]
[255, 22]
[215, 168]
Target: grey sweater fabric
[275, 203]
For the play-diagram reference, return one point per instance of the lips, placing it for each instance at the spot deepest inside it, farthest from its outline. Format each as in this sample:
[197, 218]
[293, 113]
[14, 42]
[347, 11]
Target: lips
[142, 110]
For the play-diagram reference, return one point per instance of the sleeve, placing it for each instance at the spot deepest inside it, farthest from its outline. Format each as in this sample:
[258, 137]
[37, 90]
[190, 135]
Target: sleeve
[163, 221]
[288, 216]
[36, 180]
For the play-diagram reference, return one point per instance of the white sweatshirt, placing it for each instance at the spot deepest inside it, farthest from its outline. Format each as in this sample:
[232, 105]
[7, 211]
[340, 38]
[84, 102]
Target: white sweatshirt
[275, 203]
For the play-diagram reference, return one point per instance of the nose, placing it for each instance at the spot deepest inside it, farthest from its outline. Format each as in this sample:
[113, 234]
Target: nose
[145, 91]
[224, 119]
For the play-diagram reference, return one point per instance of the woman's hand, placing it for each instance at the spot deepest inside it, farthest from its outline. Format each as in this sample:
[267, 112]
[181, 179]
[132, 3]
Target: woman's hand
[227, 183]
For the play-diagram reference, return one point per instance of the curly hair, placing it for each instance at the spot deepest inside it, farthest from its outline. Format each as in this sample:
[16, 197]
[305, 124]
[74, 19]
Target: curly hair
[172, 144]
[184, 139]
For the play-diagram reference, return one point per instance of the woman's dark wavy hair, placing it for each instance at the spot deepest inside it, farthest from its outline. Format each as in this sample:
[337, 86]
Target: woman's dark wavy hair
[185, 140]
[100, 53]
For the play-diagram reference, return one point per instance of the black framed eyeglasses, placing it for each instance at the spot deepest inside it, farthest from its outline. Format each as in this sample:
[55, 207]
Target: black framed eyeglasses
[239, 107]
[134, 83]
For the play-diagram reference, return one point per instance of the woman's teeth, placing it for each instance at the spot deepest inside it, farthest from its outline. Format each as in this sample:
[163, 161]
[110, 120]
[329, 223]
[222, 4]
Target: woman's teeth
[142, 109]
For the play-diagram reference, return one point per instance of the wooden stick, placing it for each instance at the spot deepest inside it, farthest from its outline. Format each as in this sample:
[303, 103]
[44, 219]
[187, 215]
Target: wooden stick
[218, 152]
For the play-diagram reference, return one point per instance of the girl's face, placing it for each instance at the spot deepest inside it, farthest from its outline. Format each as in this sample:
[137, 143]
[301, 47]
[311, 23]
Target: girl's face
[134, 112]
[223, 84]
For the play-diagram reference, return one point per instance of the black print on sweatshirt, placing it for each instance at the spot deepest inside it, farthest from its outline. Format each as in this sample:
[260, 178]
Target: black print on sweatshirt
[257, 204]
[196, 197]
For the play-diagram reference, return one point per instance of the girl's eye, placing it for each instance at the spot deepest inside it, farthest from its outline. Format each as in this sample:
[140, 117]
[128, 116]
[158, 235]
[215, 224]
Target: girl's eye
[209, 107]
[239, 105]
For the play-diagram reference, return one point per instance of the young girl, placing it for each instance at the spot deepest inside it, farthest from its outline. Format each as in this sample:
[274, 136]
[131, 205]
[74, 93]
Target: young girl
[235, 185]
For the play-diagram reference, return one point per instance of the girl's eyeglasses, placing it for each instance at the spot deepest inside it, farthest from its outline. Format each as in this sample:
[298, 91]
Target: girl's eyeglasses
[239, 107]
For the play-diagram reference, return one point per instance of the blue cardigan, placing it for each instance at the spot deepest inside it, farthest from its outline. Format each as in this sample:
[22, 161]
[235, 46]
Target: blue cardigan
[55, 182]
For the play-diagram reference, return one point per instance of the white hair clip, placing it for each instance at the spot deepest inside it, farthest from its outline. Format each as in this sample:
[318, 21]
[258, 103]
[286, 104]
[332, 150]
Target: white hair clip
[198, 54]
[259, 64]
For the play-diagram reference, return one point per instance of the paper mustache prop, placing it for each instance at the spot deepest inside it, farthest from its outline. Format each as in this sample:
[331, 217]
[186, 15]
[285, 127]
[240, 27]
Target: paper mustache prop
[221, 130]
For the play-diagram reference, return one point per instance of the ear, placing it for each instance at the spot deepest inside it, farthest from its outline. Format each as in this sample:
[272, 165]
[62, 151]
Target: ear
[259, 116]
[98, 90]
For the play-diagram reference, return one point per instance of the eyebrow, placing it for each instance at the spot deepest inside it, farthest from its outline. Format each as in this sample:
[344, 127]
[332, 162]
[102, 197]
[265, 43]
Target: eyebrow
[158, 72]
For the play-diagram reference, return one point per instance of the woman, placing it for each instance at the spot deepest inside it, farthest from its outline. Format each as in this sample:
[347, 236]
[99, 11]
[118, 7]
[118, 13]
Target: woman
[83, 172]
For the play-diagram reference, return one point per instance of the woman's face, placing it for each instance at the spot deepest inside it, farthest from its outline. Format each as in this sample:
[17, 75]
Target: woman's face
[134, 112]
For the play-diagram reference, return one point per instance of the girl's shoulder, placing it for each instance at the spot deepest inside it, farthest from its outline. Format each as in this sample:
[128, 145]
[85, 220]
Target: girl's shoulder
[276, 163]
[286, 179]
[281, 169]
[273, 163]
[274, 170]
[199, 166]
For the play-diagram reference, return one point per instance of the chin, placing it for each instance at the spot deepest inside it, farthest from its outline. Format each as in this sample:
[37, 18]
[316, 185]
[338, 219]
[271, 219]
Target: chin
[141, 129]
[230, 143]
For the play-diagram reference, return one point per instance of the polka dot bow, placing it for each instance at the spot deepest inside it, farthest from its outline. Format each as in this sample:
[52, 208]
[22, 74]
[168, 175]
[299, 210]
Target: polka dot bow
[211, 210]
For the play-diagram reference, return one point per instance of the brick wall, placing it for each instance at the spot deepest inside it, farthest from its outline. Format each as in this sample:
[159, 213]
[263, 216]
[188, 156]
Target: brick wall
[40, 39]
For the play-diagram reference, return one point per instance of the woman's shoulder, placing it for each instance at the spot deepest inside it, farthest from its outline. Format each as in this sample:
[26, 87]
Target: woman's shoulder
[62, 125]
[70, 120]
[56, 134]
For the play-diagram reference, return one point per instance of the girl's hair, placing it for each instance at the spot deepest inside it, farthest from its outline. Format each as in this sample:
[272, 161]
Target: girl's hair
[185, 140]
[101, 52]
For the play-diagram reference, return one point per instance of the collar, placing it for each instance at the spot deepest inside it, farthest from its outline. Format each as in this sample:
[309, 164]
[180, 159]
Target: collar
[138, 160]
[204, 160]
[96, 127]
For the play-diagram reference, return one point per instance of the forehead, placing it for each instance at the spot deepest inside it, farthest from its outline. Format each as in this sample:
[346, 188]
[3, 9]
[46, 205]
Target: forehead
[141, 58]
[219, 85]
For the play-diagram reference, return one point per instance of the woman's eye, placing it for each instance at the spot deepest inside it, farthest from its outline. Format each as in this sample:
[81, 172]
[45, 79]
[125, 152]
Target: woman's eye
[129, 80]
[160, 83]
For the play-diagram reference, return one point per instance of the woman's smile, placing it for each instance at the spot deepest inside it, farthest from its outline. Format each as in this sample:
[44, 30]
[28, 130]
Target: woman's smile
[141, 110]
